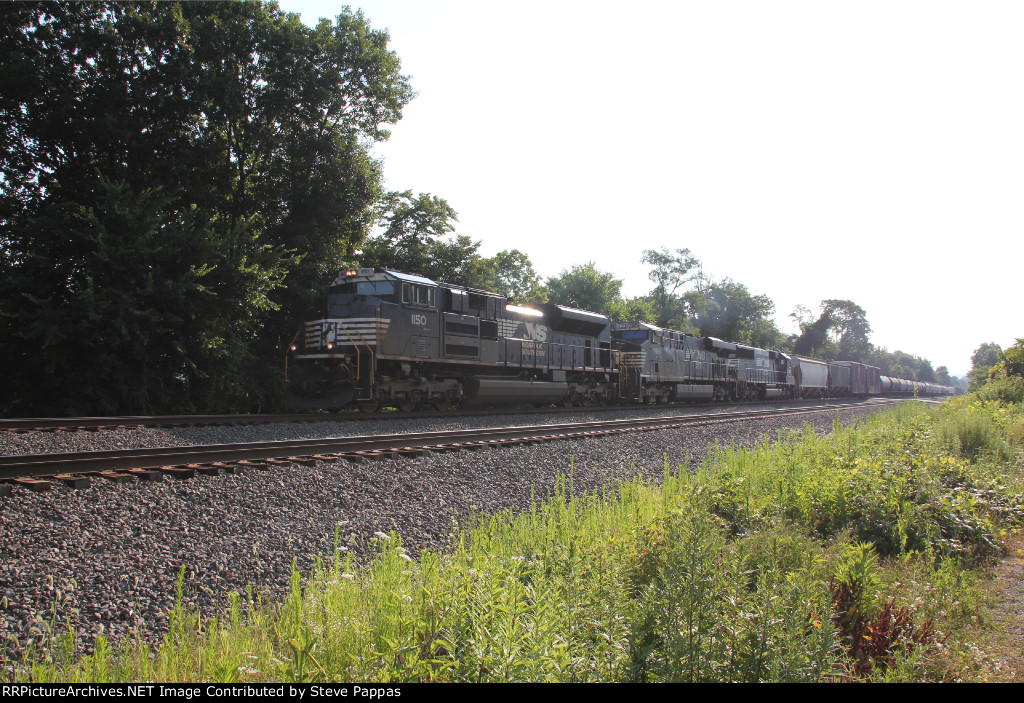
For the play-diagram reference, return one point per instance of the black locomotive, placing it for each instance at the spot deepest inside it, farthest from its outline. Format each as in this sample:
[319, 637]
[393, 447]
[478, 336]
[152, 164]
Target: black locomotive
[390, 338]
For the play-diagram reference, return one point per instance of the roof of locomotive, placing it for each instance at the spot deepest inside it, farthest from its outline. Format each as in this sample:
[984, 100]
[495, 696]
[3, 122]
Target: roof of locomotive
[378, 274]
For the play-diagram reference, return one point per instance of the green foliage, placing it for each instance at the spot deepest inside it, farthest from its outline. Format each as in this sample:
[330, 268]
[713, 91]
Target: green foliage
[1011, 362]
[586, 288]
[876, 639]
[810, 558]
[511, 274]
[633, 310]
[178, 180]
[813, 339]
[1003, 389]
[697, 620]
[727, 310]
[985, 357]
[418, 238]
[900, 364]
[670, 272]
[840, 332]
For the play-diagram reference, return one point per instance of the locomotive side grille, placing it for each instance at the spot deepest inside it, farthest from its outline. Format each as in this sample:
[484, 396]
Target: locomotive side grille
[460, 328]
[457, 350]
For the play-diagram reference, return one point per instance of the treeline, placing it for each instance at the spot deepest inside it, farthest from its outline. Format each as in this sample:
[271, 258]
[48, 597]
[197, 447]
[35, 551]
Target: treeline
[990, 362]
[177, 182]
[180, 180]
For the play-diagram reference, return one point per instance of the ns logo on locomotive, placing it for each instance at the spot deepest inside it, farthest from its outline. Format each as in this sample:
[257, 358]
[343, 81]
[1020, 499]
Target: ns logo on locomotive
[390, 338]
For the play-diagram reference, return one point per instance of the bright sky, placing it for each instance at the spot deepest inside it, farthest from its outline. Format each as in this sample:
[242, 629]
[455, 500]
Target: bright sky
[870, 151]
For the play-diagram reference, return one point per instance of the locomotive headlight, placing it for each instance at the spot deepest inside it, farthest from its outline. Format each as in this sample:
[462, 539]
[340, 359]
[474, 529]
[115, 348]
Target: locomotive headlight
[293, 347]
[330, 345]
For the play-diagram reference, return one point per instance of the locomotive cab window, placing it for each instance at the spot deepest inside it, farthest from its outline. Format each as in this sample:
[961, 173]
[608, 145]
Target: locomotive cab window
[413, 294]
[376, 289]
[369, 289]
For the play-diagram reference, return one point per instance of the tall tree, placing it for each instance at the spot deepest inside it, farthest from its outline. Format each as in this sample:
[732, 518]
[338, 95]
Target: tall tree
[586, 288]
[984, 358]
[175, 181]
[729, 311]
[840, 331]
[670, 272]
[418, 236]
[814, 339]
[850, 329]
[511, 274]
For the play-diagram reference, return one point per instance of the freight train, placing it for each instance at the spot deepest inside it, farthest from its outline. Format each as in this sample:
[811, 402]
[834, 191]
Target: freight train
[385, 338]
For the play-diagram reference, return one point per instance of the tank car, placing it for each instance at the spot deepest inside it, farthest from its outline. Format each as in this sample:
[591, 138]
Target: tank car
[389, 338]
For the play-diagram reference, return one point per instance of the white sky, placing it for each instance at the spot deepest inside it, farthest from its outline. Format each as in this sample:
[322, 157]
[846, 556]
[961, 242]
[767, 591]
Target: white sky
[872, 151]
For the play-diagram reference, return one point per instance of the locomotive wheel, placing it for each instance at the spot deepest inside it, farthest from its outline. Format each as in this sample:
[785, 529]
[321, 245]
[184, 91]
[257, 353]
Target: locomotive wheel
[369, 406]
[406, 406]
[442, 404]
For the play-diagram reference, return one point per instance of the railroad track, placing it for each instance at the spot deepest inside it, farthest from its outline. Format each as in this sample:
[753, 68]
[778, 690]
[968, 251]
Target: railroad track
[75, 424]
[78, 469]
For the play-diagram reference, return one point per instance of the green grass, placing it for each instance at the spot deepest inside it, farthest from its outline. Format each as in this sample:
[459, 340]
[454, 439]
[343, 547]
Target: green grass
[807, 558]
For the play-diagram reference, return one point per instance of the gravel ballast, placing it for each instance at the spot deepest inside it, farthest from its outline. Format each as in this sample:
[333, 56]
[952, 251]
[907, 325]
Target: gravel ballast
[105, 560]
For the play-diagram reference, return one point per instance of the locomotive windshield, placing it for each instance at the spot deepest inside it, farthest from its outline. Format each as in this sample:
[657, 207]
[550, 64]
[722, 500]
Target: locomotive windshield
[340, 298]
[636, 335]
[372, 289]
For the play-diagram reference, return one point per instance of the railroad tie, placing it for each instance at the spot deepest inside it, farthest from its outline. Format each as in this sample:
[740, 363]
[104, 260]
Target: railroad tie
[115, 476]
[34, 485]
[179, 472]
[75, 481]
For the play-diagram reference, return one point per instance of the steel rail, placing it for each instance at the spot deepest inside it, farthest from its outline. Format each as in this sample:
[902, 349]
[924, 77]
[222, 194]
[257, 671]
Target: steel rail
[26, 466]
[24, 424]
[28, 424]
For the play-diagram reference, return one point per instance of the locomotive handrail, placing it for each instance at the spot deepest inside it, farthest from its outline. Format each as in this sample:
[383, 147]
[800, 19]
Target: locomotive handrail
[358, 356]
[547, 354]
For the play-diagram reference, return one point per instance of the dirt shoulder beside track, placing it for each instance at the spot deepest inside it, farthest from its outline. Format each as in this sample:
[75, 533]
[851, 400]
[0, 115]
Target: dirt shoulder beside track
[1004, 645]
